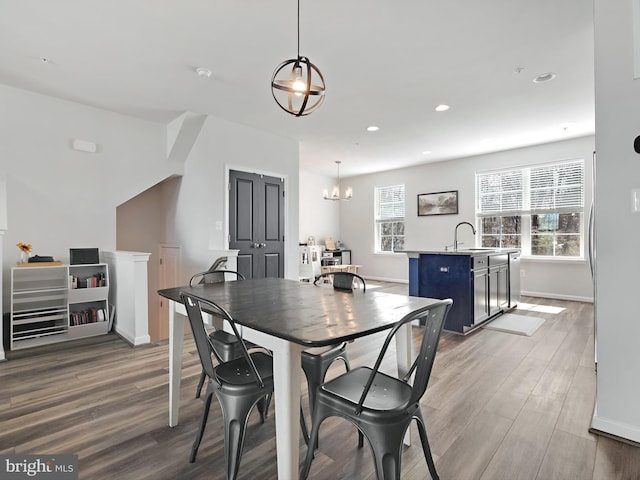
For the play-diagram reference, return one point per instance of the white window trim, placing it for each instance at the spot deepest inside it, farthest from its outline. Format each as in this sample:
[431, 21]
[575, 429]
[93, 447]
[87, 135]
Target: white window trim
[526, 212]
[378, 220]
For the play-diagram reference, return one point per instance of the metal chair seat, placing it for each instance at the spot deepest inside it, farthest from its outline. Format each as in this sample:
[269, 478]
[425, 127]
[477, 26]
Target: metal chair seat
[388, 394]
[237, 374]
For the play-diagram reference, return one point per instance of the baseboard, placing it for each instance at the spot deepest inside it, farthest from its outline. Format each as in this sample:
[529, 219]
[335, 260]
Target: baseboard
[393, 280]
[572, 298]
[616, 430]
[133, 341]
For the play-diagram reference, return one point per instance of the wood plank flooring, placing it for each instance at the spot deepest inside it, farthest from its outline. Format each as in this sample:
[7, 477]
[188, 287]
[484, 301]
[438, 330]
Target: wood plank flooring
[499, 406]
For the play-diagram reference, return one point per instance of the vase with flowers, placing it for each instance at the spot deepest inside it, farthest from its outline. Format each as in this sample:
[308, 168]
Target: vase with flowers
[25, 250]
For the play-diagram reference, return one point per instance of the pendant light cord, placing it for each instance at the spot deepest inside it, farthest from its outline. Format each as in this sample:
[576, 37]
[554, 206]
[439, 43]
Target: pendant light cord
[298, 28]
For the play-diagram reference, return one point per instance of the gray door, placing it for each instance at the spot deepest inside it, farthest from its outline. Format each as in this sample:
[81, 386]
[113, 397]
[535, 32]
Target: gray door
[256, 223]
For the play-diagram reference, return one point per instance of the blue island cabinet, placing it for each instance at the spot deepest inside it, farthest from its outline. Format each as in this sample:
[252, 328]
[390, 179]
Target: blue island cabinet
[445, 276]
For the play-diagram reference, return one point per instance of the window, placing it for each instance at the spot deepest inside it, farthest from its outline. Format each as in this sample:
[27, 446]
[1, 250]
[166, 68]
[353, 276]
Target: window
[538, 209]
[389, 218]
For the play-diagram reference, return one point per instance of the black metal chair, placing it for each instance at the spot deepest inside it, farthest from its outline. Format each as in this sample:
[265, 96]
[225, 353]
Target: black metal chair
[316, 361]
[225, 345]
[381, 406]
[239, 384]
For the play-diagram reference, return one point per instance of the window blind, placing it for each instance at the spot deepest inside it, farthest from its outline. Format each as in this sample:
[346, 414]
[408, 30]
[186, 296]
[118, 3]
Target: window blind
[557, 187]
[390, 202]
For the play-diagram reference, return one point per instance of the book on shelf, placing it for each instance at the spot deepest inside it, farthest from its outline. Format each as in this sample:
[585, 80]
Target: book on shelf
[85, 317]
[94, 281]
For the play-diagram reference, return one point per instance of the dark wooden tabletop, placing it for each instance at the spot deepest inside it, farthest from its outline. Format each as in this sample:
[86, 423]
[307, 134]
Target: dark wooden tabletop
[303, 313]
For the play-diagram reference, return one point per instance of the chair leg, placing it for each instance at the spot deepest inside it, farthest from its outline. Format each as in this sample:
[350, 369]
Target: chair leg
[303, 426]
[265, 407]
[200, 383]
[386, 446]
[235, 412]
[262, 408]
[425, 445]
[315, 378]
[203, 424]
[312, 445]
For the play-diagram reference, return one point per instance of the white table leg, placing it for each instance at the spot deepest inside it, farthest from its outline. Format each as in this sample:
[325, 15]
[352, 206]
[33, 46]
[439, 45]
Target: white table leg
[286, 370]
[286, 379]
[403, 357]
[176, 343]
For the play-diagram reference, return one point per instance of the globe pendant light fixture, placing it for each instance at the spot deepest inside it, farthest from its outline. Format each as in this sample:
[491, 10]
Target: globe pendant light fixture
[297, 85]
[335, 193]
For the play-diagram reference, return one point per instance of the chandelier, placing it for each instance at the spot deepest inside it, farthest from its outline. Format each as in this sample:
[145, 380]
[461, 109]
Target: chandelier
[292, 84]
[335, 193]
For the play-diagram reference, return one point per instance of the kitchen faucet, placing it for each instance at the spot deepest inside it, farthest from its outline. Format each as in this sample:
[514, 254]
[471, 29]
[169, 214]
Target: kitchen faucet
[455, 234]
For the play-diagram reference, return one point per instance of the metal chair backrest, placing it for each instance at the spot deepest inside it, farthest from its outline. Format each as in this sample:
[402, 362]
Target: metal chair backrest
[434, 316]
[194, 305]
[213, 276]
[342, 280]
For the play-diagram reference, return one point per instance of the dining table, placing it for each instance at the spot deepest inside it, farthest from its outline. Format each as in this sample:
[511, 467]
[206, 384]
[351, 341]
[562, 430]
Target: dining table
[286, 317]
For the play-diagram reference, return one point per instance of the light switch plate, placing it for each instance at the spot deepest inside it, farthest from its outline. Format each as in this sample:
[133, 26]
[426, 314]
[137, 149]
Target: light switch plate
[635, 200]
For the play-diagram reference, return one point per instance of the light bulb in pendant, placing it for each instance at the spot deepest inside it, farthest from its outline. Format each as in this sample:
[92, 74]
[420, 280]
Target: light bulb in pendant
[298, 83]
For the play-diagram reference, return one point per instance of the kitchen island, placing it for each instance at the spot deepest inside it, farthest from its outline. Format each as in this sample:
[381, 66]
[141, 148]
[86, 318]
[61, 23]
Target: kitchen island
[483, 282]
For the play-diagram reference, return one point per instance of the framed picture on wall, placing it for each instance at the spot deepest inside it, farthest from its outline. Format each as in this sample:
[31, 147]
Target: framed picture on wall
[438, 203]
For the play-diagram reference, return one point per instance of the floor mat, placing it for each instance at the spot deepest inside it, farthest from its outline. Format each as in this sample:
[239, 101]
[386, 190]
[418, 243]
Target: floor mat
[514, 323]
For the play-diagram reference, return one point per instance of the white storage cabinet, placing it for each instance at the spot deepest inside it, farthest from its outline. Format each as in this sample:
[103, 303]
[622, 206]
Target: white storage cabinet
[57, 303]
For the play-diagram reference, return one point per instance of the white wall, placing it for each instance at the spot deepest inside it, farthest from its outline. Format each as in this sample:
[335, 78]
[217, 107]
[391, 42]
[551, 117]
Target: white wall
[564, 279]
[617, 228]
[59, 198]
[203, 196]
[319, 218]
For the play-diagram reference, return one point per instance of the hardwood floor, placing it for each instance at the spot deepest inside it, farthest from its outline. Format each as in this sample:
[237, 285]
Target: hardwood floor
[499, 406]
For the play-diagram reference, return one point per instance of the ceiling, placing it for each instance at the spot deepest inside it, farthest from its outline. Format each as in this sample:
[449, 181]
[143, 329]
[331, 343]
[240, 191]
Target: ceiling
[387, 63]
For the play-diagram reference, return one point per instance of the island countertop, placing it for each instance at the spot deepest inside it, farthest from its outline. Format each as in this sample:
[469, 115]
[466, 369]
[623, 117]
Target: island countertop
[474, 252]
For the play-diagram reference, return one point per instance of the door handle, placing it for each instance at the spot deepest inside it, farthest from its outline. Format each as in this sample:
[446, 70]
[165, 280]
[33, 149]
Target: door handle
[255, 245]
[263, 245]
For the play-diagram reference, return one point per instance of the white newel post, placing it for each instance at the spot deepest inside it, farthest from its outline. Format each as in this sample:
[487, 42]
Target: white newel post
[128, 294]
[3, 228]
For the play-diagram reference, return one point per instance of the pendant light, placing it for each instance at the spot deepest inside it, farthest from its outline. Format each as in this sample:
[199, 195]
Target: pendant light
[335, 193]
[292, 84]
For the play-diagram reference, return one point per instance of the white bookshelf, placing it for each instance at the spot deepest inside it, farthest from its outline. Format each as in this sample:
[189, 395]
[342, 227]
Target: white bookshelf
[48, 306]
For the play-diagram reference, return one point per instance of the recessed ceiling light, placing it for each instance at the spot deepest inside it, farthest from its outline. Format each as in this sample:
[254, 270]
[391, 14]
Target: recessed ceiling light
[203, 72]
[373, 128]
[442, 108]
[45, 60]
[426, 152]
[545, 77]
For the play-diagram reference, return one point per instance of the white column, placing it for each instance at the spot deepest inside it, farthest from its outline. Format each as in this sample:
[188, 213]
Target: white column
[128, 294]
[3, 228]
